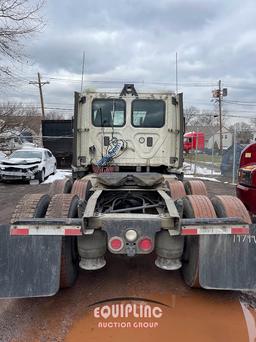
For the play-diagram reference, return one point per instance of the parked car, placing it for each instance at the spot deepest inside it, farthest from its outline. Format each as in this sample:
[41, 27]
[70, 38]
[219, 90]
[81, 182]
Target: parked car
[28, 163]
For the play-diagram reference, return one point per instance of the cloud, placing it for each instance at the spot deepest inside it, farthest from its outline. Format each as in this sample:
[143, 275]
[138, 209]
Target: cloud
[137, 41]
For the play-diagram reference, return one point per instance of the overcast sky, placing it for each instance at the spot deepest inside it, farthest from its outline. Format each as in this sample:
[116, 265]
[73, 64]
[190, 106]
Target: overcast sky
[137, 41]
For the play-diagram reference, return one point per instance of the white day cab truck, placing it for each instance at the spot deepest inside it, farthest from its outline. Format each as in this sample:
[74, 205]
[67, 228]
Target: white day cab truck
[126, 196]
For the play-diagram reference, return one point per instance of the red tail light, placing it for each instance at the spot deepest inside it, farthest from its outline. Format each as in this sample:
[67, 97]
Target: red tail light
[116, 243]
[145, 244]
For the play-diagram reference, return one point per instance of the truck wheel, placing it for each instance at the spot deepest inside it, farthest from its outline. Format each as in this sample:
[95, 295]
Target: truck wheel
[176, 188]
[60, 186]
[194, 206]
[31, 206]
[195, 187]
[81, 189]
[41, 176]
[230, 206]
[66, 206]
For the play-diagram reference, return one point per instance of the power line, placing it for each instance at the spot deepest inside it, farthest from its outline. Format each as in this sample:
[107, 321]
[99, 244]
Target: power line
[240, 103]
[37, 107]
[195, 83]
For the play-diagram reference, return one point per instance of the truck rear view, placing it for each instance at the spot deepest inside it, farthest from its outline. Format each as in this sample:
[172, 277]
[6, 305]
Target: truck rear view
[145, 130]
[126, 198]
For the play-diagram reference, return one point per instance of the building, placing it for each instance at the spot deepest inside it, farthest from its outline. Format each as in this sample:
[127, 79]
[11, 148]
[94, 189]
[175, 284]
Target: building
[212, 136]
[227, 139]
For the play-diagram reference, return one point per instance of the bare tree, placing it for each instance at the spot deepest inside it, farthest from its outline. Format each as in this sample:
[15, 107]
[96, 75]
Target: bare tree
[190, 113]
[16, 116]
[54, 115]
[244, 132]
[253, 123]
[18, 20]
[203, 118]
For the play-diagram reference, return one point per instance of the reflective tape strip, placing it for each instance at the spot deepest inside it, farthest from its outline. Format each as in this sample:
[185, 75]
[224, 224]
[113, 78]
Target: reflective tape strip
[72, 232]
[18, 232]
[188, 231]
[215, 230]
[240, 230]
[46, 230]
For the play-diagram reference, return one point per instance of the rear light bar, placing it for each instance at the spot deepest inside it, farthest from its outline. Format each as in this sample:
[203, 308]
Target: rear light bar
[70, 230]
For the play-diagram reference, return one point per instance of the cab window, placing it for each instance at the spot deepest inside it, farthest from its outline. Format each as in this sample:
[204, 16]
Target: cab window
[148, 113]
[108, 112]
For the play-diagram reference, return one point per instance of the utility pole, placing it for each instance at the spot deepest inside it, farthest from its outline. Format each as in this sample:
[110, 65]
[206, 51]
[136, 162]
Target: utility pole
[40, 84]
[218, 94]
[220, 117]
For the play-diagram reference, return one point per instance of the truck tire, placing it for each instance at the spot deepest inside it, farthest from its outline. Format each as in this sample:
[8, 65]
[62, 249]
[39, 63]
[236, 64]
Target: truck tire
[230, 206]
[31, 206]
[194, 206]
[195, 187]
[60, 186]
[176, 188]
[66, 206]
[81, 189]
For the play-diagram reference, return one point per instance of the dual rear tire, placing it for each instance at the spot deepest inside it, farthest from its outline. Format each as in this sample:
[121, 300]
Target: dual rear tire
[66, 206]
[60, 206]
[199, 206]
[178, 189]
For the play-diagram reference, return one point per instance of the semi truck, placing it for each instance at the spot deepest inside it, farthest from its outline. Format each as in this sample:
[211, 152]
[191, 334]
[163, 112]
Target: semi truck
[126, 197]
[246, 187]
[193, 141]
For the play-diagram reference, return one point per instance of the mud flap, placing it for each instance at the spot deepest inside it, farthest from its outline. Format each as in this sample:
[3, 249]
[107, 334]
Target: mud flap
[29, 265]
[228, 262]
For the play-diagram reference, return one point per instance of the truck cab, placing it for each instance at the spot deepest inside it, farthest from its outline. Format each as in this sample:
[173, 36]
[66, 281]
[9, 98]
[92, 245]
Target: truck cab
[246, 188]
[144, 129]
[193, 141]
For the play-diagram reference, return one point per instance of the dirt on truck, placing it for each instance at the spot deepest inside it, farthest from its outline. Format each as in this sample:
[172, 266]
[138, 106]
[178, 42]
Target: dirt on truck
[127, 197]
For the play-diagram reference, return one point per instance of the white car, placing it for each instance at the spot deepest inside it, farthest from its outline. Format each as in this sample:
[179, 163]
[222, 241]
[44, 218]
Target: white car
[28, 164]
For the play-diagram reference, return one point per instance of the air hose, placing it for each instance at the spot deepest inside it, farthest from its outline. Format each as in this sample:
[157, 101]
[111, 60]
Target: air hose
[114, 148]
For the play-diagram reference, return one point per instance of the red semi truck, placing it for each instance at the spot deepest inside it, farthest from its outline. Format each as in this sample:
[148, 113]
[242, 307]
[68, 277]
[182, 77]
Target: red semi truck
[193, 141]
[246, 188]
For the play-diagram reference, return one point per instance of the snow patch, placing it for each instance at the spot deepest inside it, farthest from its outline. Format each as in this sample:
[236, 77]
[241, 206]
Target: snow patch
[60, 174]
[203, 178]
[189, 169]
